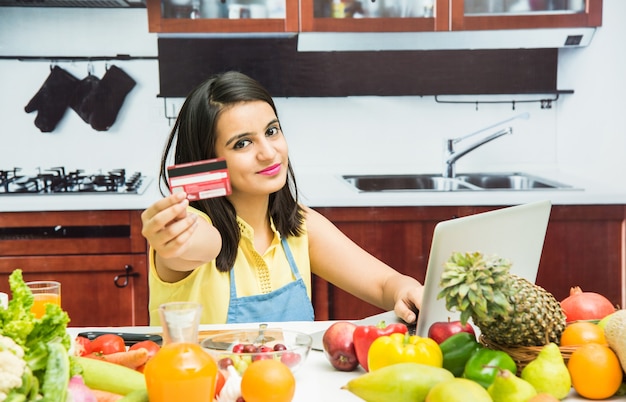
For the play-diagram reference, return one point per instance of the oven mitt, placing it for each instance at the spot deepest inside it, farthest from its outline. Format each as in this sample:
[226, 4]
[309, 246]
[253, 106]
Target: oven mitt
[52, 99]
[108, 98]
[82, 100]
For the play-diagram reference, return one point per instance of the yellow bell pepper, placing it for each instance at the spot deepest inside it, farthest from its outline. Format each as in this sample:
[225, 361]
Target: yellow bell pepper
[401, 348]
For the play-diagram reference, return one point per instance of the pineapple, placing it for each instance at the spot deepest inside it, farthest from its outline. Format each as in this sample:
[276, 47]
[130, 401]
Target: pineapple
[507, 309]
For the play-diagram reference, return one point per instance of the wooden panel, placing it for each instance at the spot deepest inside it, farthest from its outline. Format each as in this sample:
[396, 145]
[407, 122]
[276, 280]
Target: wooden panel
[88, 290]
[72, 249]
[126, 238]
[584, 246]
[275, 62]
[398, 236]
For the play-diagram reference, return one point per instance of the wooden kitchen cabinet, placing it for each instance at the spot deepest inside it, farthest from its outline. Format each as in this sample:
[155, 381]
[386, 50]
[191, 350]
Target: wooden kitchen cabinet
[450, 15]
[377, 16]
[100, 258]
[165, 16]
[557, 14]
[584, 246]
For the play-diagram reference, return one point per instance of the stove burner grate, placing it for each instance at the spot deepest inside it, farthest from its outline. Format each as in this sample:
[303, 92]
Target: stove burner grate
[55, 180]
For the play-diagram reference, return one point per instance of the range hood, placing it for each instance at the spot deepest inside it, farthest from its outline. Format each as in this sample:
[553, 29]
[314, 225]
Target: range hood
[75, 3]
[447, 40]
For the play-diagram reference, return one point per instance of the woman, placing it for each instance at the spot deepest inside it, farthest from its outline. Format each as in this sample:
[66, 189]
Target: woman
[248, 256]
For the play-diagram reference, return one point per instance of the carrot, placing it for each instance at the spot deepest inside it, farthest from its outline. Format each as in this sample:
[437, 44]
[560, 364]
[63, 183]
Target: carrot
[131, 358]
[106, 396]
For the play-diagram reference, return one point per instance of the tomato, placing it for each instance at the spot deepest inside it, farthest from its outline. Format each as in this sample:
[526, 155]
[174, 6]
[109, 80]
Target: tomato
[107, 344]
[152, 348]
[82, 346]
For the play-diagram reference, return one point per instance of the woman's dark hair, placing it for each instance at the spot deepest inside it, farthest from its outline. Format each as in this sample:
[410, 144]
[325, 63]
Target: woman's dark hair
[195, 137]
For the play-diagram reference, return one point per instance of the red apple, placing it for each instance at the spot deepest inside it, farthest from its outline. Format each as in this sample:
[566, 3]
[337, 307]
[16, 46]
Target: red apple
[442, 330]
[339, 346]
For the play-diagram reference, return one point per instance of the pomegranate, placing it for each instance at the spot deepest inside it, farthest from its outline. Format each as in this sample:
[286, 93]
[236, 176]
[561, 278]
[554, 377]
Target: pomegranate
[581, 305]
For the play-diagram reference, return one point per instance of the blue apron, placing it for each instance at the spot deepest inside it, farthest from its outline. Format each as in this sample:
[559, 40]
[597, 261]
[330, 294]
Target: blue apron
[289, 303]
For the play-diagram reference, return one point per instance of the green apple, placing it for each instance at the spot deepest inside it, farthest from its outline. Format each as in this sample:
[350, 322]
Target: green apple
[602, 322]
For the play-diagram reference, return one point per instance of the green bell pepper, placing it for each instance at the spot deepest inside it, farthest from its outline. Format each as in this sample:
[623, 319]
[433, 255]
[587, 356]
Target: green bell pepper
[482, 367]
[457, 349]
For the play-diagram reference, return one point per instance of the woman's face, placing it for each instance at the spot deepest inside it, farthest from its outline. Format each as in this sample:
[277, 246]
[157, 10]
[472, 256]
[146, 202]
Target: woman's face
[250, 139]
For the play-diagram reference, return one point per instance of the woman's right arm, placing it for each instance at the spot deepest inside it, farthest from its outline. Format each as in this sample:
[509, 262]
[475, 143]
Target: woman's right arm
[181, 240]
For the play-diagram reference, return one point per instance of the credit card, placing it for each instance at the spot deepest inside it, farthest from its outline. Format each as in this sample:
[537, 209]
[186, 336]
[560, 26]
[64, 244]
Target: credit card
[200, 180]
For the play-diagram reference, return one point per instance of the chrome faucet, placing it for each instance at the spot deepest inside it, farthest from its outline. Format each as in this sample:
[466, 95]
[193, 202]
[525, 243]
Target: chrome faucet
[452, 155]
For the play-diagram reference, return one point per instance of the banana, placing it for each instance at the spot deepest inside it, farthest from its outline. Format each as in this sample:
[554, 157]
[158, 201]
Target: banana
[401, 382]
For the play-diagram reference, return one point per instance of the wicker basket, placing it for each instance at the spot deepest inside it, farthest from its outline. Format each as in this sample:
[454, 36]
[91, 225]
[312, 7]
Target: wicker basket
[522, 355]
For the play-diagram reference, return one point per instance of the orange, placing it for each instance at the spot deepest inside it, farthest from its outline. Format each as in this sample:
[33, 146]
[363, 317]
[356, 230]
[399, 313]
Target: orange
[543, 397]
[595, 370]
[268, 380]
[581, 332]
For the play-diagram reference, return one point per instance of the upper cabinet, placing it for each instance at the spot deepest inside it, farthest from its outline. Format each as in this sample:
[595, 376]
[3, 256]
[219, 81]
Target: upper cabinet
[374, 15]
[222, 16]
[446, 15]
[271, 16]
[468, 15]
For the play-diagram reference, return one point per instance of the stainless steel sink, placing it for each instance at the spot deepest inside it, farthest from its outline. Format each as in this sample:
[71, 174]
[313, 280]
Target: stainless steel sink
[419, 182]
[510, 181]
[462, 182]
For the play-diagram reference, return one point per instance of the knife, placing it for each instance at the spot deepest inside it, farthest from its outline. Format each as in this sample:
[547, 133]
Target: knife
[129, 338]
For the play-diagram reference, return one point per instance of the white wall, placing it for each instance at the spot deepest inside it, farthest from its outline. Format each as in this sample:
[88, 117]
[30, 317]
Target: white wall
[591, 133]
[582, 133]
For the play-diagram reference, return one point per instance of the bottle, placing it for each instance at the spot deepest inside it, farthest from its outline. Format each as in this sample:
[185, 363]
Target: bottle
[181, 370]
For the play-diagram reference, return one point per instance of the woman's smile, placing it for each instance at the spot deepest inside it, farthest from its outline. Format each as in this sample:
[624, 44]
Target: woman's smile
[271, 170]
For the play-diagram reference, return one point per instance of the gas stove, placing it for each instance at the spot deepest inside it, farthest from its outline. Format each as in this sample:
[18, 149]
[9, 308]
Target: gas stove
[58, 180]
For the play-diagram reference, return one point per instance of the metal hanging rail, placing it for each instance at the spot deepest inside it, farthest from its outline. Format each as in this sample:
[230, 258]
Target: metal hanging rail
[121, 57]
[545, 103]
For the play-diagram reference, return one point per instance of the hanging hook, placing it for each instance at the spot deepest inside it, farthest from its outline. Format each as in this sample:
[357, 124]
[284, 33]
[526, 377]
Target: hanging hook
[90, 68]
[513, 105]
[128, 273]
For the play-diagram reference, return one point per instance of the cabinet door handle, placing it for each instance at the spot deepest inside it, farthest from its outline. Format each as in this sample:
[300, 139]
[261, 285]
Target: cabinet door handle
[128, 272]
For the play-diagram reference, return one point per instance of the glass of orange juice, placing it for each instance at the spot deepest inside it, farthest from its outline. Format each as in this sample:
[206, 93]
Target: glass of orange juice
[44, 292]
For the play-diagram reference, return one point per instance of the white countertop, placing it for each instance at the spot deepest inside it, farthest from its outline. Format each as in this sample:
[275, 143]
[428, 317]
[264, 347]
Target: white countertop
[325, 188]
[316, 380]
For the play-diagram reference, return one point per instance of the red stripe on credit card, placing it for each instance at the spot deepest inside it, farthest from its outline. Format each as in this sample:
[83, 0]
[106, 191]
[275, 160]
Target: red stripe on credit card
[200, 180]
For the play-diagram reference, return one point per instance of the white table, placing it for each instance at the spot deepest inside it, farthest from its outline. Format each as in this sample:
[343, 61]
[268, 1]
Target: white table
[316, 380]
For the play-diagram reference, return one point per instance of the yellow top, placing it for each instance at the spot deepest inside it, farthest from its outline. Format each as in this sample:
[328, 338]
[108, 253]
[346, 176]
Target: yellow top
[254, 274]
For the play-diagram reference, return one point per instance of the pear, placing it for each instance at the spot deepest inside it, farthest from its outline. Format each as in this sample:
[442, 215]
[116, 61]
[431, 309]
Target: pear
[507, 387]
[458, 390]
[401, 382]
[548, 372]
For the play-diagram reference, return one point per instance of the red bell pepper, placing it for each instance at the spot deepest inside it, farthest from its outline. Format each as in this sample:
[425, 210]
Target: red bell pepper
[364, 335]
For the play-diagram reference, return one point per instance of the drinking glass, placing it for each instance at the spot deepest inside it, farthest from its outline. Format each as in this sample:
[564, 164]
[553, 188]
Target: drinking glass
[44, 292]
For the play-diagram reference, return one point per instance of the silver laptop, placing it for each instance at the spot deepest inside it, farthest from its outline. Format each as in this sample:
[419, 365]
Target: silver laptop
[516, 233]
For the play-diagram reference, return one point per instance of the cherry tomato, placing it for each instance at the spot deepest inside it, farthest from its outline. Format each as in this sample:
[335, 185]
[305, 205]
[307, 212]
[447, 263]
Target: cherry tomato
[82, 346]
[107, 344]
